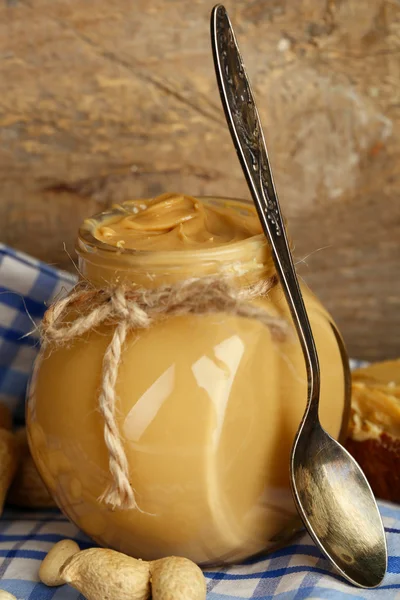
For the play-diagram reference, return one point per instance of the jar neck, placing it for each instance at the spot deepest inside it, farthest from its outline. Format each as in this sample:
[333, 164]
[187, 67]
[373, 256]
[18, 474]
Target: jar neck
[242, 262]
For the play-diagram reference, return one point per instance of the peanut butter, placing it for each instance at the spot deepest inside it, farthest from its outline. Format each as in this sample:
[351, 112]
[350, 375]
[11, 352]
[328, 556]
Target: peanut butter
[376, 401]
[208, 405]
[374, 428]
[176, 222]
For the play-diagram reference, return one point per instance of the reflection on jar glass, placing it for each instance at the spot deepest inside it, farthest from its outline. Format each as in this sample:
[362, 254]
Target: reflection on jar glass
[208, 406]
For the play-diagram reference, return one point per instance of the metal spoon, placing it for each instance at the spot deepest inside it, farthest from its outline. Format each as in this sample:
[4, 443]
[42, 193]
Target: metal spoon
[330, 491]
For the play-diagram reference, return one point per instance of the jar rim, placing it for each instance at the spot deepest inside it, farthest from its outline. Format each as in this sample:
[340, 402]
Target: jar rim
[87, 243]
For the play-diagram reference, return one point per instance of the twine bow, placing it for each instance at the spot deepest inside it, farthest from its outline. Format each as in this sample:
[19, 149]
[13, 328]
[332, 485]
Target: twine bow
[138, 308]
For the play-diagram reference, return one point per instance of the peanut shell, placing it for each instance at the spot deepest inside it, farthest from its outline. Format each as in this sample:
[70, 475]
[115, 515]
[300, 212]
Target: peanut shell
[8, 463]
[100, 573]
[49, 571]
[28, 489]
[176, 578]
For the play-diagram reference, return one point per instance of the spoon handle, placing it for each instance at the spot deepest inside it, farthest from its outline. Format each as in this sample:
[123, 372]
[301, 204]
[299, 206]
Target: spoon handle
[245, 126]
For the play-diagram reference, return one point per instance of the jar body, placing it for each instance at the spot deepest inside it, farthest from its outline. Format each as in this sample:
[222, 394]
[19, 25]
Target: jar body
[208, 407]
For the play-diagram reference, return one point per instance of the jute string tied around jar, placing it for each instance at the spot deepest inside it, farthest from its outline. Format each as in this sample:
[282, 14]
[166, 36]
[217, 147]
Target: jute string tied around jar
[132, 308]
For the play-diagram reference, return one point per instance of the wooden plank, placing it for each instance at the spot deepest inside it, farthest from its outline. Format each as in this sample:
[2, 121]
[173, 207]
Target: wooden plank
[105, 101]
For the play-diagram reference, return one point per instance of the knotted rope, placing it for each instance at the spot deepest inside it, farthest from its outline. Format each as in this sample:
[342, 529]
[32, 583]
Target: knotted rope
[138, 308]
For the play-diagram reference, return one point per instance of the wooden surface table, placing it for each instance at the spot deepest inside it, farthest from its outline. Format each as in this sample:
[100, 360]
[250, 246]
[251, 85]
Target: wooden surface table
[104, 101]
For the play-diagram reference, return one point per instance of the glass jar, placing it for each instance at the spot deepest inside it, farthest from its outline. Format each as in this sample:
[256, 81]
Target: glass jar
[208, 406]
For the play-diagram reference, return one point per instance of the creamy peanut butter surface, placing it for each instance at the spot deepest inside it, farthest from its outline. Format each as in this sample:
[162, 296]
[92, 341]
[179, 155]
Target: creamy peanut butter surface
[376, 401]
[177, 222]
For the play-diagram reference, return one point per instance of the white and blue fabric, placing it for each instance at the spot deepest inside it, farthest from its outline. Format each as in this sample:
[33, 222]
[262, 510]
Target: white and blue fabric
[296, 572]
[27, 287]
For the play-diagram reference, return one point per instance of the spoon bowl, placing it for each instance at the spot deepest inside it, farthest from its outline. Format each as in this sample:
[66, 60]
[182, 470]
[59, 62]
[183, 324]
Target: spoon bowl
[337, 506]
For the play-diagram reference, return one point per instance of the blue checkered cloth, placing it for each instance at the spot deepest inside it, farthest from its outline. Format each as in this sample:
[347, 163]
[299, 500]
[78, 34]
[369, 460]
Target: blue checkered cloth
[296, 572]
[27, 286]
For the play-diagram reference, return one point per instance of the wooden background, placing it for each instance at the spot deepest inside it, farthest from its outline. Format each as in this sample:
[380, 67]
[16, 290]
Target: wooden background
[104, 100]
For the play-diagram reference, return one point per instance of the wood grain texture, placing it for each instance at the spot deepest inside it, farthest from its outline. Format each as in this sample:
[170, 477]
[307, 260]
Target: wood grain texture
[104, 101]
